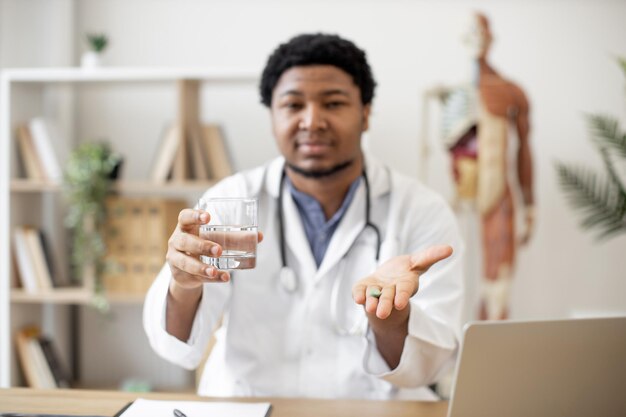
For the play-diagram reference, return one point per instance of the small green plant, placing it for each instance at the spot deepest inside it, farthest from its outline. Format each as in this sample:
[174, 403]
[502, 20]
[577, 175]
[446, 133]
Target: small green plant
[600, 197]
[87, 181]
[97, 41]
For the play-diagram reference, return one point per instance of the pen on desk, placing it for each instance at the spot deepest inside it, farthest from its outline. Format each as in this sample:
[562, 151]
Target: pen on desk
[178, 413]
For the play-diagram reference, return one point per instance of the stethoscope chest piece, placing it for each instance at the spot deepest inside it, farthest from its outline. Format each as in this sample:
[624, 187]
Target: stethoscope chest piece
[288, 279]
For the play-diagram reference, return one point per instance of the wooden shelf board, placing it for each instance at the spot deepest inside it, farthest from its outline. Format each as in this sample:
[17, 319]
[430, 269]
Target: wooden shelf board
[70, 296]
[33, 186]
[170, 187]
[130, 187]
[126, 298]
[56, 296]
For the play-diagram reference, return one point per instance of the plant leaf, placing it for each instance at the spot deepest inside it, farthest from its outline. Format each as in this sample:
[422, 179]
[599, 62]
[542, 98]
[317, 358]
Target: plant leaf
[600, 200]
[608, 163]
[605, 133]
[622, 63]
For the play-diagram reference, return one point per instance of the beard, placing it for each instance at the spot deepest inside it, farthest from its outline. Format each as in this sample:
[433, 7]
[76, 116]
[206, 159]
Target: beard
[320, 173]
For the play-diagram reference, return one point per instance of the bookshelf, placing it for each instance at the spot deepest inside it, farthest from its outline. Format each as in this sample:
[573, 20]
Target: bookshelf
[31, 86]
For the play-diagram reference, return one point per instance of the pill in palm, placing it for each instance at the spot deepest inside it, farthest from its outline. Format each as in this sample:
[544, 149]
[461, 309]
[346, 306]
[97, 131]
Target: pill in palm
[375, 292]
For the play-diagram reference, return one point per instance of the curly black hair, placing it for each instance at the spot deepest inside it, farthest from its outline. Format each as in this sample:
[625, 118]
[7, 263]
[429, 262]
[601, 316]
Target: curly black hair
[318, 49]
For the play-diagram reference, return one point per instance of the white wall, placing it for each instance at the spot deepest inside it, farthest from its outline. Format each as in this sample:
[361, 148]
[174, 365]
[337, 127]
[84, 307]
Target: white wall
[560, 52]
[36, 33]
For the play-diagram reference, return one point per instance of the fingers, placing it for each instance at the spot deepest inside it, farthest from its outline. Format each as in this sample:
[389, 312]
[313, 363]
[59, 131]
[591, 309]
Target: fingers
[189, 218]
[187, 269]
[186, 246]
[223, 276]
[194, 245]
[422, 261]
[371, 301]
[385, 302]
[184, 250]
[365, 289]
[186, 237]
[358, 292]
[186, 263]
[377, 298]
[404, 291]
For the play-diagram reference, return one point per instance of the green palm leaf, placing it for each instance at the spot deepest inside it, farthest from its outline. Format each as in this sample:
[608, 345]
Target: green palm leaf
[622, 63]
[605, 133]
[601, 201]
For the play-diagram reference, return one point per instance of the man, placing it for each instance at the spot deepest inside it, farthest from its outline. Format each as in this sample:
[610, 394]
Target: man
[340, 212]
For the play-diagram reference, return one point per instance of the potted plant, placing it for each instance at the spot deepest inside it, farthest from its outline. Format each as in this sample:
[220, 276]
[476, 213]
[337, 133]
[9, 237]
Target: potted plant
[600, 197]
[88, 177]
[97, 43]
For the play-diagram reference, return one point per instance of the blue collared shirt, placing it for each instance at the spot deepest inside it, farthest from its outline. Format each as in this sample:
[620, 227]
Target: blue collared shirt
[318, 230]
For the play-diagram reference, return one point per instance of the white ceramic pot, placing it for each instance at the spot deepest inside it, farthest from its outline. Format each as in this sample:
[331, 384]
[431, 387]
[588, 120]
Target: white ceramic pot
[91, 59]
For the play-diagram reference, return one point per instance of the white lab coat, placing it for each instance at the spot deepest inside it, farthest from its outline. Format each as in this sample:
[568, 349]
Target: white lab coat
[275, 343]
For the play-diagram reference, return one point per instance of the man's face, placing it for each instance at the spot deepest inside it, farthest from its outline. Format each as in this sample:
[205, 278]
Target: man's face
[318, 118]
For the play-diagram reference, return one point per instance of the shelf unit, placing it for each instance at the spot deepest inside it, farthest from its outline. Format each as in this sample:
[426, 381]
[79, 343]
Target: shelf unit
[13, 79]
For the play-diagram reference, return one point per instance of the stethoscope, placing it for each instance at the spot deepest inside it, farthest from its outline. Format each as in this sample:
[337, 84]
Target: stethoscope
[288, 278]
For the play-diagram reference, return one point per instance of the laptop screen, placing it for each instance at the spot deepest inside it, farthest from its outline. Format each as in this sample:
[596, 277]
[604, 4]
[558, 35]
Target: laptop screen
[542, 368]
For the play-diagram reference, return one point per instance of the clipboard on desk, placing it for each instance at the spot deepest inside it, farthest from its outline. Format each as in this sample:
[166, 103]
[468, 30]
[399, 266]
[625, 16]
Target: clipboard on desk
[119, 413]
[142, 407]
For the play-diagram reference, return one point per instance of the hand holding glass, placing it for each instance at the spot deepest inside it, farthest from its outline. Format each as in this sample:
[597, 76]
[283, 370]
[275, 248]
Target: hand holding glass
[233, 226]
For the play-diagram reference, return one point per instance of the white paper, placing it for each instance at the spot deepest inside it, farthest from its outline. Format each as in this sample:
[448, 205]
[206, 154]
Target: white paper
[157, 408]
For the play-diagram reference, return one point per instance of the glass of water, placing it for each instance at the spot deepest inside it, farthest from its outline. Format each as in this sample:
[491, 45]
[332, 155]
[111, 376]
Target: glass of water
[233, 226]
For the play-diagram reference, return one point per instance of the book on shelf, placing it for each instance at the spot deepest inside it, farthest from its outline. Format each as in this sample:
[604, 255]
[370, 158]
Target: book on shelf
[36, 144]
[33, 264]
[165, 156]
[33, 362]
[59, 372]
[39, 360]
[42, 133]
[56, 279]
[44, 278]
[26, 148]
[15, 276]
[207, 155]
[180, 166]
[199, 168]
[25, 264]
[216, 151]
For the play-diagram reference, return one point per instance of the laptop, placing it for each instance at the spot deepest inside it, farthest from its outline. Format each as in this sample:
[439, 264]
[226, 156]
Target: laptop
[570, 368]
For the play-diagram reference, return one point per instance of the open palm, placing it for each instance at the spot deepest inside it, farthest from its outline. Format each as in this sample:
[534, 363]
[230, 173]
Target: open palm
[396, 281]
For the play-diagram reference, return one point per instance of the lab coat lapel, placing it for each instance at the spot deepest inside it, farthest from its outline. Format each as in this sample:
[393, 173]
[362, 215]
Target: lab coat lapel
[295, 237]
[347, 231]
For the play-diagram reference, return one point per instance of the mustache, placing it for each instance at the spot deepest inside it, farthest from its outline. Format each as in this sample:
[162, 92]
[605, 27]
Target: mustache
[313, 140]
[320, 173]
